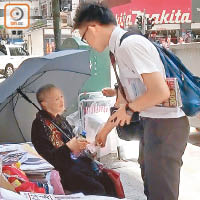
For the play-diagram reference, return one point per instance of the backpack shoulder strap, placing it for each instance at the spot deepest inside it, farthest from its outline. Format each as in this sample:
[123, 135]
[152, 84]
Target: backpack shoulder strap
[127, 34]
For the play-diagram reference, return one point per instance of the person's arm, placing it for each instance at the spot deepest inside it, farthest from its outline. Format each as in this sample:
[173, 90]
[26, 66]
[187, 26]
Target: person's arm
[101, 137]
[157, 92]
[108, 92]
[45, 148]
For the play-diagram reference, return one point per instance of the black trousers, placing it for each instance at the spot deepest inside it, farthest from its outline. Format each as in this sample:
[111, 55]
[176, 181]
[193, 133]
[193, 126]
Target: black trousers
[81, 178]
[161, 149]
[80, 182]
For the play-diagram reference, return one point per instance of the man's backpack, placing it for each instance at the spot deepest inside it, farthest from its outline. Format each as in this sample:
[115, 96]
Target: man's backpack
[188, 83]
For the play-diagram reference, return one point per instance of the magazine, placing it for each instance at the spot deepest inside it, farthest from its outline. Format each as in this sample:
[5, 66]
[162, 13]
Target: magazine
[175, 97]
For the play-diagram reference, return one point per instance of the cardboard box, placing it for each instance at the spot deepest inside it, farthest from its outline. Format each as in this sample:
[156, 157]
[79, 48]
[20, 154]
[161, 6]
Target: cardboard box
[5, 184]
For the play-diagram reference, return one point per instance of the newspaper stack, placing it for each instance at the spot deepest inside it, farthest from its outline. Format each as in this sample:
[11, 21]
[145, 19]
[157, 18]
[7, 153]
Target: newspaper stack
[76, 196]
[175, 97]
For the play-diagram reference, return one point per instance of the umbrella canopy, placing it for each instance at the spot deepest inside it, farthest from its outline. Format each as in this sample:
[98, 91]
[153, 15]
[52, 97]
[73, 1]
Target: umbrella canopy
[68, 70]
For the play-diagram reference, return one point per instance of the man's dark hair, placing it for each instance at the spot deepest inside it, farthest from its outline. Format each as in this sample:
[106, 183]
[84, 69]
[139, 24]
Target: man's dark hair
[134, 29]
[90, 12]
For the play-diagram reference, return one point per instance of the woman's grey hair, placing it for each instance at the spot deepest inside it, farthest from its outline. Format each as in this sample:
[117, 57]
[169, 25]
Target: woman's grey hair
[40, 94]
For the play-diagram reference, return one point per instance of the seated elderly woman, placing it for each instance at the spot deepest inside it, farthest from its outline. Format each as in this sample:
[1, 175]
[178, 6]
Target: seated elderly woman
[77, 175]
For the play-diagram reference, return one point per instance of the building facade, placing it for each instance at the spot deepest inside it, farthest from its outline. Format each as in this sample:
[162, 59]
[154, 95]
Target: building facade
[171, 17]
[42, 30]
[16, 33]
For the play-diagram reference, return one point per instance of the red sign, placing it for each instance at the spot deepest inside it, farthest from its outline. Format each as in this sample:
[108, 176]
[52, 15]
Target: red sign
[113, 3]
[163, 11]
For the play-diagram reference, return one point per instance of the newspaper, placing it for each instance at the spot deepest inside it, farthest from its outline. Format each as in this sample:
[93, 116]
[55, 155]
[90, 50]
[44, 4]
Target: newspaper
[32, 163]
[37, 196]
[175, 97]
[6, 194]
[26, 155]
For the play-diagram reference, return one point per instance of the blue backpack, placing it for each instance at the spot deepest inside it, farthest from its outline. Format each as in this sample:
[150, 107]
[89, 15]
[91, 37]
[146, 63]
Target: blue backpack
[188, 83]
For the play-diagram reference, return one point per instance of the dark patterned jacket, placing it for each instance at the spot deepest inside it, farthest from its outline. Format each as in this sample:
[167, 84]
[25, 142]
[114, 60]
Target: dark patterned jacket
[50, 143]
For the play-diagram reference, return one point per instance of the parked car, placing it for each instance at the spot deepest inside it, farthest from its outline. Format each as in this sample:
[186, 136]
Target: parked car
[11, 57]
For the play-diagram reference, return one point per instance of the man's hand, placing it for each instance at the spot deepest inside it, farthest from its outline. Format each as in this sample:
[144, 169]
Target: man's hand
[120, 117]
[100, 139]
[108, 92]
[77, 145]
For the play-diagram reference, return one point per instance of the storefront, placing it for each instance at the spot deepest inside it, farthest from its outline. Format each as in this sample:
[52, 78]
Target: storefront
[171, 17]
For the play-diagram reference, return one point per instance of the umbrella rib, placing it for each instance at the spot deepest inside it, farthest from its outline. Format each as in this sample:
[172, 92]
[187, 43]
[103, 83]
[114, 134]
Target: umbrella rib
[70, 71]
[33, 80]
[13, 95]
[17, 122]
[8, 101]
[14, 105]
[16, 101]
[48, 71]
[11, 101]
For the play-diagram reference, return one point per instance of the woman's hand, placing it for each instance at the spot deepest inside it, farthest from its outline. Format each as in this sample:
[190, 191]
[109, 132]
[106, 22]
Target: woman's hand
[120, 117]
[76, 145]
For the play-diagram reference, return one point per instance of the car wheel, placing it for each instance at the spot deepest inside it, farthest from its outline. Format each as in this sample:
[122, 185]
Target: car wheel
[9, 70]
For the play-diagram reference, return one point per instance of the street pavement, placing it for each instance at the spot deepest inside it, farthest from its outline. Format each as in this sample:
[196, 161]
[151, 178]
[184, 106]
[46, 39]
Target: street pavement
[132, 182]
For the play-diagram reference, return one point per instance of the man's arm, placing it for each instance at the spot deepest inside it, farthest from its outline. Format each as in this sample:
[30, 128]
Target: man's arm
[157, 91]
[108, 92]
[102, 134]
[137, 51]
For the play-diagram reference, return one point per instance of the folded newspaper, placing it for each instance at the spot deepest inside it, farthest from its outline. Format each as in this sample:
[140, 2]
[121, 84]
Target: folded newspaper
[76, 196]
[175, 97]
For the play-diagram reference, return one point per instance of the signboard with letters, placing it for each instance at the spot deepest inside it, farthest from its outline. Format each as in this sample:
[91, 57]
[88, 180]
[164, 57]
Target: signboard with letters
[164, 12]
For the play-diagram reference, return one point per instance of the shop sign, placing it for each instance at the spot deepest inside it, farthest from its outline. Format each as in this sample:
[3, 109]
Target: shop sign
[164, 12]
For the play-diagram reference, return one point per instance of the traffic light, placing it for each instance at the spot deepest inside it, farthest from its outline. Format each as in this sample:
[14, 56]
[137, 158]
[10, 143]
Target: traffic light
[65, 5]
[139, 22]
[150, 23]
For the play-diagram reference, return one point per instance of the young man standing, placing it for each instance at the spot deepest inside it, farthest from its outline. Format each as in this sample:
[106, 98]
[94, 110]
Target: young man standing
[142, 75]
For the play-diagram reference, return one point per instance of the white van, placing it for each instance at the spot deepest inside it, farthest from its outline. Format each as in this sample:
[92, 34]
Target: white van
[11, 56]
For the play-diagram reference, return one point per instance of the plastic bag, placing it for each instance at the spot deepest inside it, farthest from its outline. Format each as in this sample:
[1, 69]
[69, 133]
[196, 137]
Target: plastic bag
[19, 180]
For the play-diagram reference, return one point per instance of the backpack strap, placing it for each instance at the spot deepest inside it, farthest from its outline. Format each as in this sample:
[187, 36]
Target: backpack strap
[121, 89]
[127, 34]
[161, 50]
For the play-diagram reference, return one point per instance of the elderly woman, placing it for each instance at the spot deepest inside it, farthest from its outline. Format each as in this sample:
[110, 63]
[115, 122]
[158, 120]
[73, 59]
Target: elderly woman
[77, 175]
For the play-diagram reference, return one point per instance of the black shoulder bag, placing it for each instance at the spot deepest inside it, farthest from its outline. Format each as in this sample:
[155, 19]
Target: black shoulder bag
[134, 130]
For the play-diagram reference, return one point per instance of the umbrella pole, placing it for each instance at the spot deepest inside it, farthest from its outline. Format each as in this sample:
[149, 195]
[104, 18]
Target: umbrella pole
[26, 98]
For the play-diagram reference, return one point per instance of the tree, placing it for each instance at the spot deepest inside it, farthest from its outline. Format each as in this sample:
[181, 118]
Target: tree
[56, 24]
